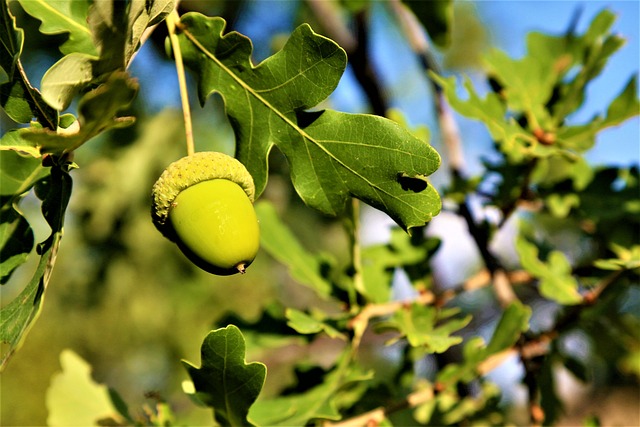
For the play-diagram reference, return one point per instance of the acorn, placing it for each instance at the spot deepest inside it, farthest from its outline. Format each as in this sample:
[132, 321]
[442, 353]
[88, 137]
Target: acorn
[204, 203]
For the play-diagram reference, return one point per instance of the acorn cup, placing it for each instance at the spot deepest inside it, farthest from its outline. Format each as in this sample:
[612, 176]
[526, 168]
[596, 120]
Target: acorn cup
[204, 203]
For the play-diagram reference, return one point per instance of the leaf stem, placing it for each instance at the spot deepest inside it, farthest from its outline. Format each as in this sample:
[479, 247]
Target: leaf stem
[356, 253]
[173, 22]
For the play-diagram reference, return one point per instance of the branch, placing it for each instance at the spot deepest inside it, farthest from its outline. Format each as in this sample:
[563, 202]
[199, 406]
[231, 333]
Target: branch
[356, 46]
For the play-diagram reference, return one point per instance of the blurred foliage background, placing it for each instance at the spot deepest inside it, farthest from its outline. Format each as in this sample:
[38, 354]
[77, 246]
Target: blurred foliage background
[129, 303]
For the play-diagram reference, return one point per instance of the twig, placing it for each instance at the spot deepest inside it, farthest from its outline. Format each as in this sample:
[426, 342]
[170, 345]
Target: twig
[376, 416]
[360, 322]
[356, 46]
[173, 23]
[329, 15]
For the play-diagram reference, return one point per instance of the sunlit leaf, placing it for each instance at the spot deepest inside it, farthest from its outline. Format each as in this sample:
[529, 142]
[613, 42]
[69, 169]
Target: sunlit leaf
[142, 15]
[64, 17]
[97, 113]
[18, 173]
[332, 155]
[628, 259]
[428, 327]
[113, 28]
[74, 398]
[64, 80]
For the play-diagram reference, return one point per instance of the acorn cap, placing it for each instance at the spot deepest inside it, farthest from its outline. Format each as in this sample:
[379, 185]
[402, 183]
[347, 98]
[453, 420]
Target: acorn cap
[191, 170]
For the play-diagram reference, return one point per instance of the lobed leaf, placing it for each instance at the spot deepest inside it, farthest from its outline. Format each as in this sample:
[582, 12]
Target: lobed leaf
[225, 382]
[556, 280]
[513, 139]
[527, 84]
[428, 327]
[380, 261]
[332, 155]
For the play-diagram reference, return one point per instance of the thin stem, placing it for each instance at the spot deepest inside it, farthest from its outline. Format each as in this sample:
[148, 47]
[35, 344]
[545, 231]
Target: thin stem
[173, 22]
[356, 253]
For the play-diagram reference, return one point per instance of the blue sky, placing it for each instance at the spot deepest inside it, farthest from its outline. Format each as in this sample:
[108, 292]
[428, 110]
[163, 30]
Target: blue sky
[508, 23]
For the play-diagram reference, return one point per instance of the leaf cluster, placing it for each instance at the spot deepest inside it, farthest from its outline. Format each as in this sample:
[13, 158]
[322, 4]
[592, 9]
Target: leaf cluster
[365, 336]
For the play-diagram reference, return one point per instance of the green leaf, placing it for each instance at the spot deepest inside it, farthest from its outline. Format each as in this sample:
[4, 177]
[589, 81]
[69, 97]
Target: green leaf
[528, 84]
[555, 169]
[306, 324]
[225, 382]
[628, 259]
[332, 155]
[561, 204]
[513, 139]
[320, 402]
[74, 398]
[18, 98]
[18, 173]
[556, 280]
[117, 28]
[64, 80]
[142, 15]
[64, 16]
[97, 113]
[428, 327]
[513, 322]
[552, 405]
[16, 241]
[542, 89]
[625, 106]
[108, 21]
[278, 240]
[583, 137]
[114, 29]
[590, 53]
[379, 262]
[17, 317]
[13, 141]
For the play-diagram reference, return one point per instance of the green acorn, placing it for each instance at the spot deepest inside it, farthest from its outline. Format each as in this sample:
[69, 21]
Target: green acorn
[204, 203]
